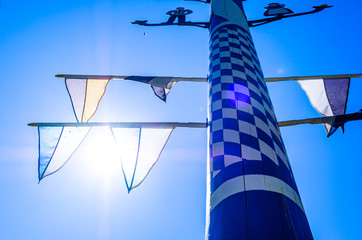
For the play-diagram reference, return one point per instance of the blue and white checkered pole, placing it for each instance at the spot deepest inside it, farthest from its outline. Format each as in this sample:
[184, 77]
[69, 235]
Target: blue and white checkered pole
[252, 193]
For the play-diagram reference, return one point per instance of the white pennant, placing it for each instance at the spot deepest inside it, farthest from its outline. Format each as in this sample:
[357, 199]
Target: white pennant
[139, 149]
[56, 146]
[85, 95]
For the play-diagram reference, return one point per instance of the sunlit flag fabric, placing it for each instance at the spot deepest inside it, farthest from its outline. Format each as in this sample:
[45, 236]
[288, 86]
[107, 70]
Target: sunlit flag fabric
[139, 149]
[327, 96]
[85, 95]
[161, 86]
[56, 146]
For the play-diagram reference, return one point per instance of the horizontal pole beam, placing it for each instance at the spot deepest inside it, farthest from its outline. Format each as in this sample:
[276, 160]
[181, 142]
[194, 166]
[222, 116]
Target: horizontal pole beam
[76, 76]
[122, 124]
[167, 124]
[319, 120]
[120, 77]
[198, 79]
[338, 76]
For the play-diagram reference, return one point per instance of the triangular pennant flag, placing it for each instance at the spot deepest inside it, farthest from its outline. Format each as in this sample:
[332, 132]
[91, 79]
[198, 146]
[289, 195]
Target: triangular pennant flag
[327, 96]
[161, 86]
[85, 95]
[340, 120]
[56, 146]
[160, 92]
[139, 149]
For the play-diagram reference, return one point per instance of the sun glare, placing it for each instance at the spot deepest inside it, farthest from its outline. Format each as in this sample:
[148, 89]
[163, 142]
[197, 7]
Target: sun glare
[101, 152]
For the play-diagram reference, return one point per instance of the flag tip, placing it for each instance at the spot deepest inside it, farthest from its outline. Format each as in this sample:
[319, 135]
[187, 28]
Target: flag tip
[32, 124]
[129, 189]
[59, 75]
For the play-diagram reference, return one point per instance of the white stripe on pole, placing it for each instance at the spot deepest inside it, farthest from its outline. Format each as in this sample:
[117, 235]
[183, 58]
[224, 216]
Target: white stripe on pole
[254, 182]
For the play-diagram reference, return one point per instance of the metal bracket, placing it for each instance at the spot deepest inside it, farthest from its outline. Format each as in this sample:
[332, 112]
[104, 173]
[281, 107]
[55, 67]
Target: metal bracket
[259, 22]
[192, 24]
[177, 18]
[252, 23]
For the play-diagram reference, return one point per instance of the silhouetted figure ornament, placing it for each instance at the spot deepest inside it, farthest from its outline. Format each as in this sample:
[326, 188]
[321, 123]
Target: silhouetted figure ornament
[276, 9]
[179, 13]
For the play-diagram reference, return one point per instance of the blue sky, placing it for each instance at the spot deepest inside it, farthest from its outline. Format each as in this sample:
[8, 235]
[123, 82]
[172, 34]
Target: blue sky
[88, 199]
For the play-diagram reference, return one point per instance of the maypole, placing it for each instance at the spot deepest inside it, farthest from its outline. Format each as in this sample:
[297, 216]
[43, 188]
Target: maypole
[251, 187]
[252, 193]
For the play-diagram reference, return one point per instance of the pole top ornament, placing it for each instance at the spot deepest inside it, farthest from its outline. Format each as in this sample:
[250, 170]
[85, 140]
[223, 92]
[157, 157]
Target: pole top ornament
[274, 12]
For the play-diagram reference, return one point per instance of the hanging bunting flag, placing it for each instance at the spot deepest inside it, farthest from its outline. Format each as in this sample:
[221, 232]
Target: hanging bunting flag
[160, 92]
[327, 96]
[85, 95]
[161, 86]
[340, 120]
[56, 146]
[139, 149]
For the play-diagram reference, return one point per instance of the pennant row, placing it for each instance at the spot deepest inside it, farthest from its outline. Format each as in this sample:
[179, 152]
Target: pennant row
[162, 80]
[334, 121]
[139, 144]
[328, 94]
[137, 148]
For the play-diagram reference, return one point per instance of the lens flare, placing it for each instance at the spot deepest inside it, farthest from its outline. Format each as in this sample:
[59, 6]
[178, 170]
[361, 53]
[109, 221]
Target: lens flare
[238, 95]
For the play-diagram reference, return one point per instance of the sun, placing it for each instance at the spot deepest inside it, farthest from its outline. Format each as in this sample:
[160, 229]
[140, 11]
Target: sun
[100, 152]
